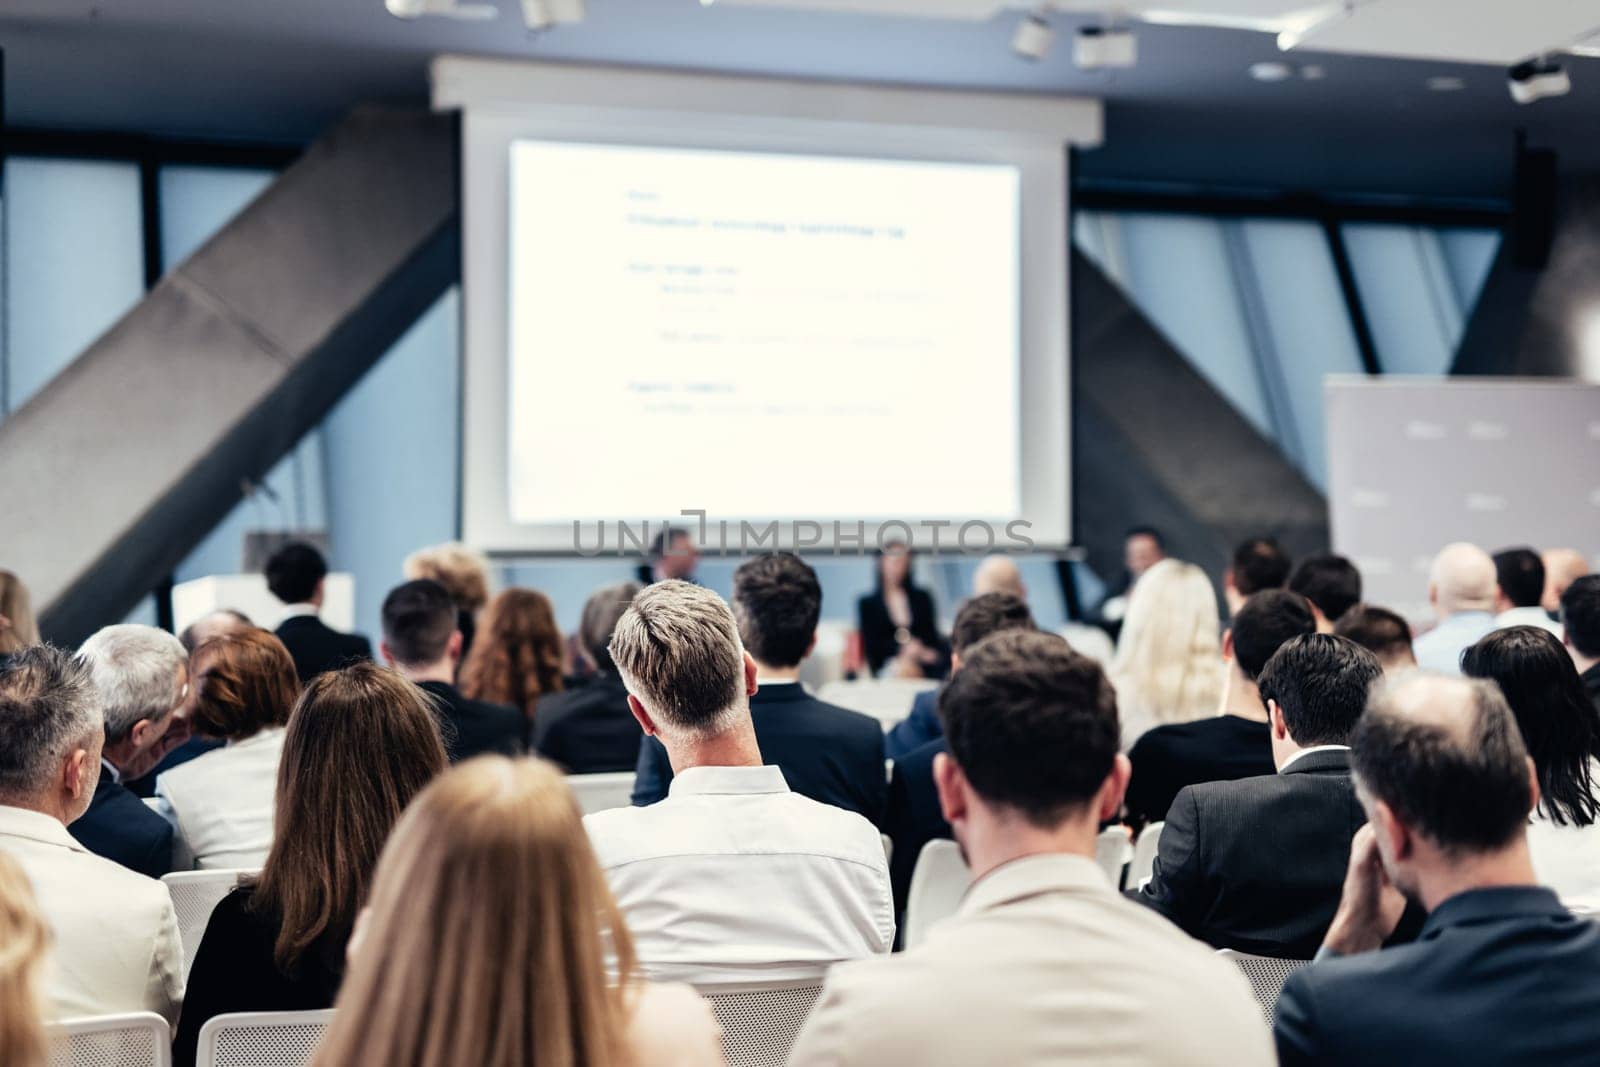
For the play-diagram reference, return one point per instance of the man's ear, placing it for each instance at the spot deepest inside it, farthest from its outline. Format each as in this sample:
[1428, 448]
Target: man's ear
[452, 647]
[1393, 836]
[1227, 644]
[1114, 788]
[1227, 581]
[952, 787]
[75, 776]
[1280, 728]
[1533, 785]
[750, 685]
[139, 735]
[1433, 594]
[646, 723]
[383, 650]
[955, 661]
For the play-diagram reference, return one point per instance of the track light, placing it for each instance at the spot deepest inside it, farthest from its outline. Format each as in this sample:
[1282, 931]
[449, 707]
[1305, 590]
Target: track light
[1535, 79]
[451, 9]
[542, 14]
[1100, 47]
[1034, 36]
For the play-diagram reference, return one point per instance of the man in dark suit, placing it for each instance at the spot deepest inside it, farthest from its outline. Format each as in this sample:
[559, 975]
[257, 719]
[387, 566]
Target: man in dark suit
[294, 575]
[141, 676]
[1237, 743]
[827, 753]
[1580, 616]
[587, 728]
[1257, 864]
[914, 814]
[422, 642]
[1502, 974]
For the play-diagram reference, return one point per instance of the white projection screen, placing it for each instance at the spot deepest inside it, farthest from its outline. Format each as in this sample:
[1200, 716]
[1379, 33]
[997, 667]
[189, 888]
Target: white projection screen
[826, 307]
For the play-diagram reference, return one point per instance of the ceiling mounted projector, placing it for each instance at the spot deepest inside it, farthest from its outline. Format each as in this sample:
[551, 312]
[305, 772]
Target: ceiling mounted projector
[1097, 48]
[1537, 79]
[450, 9]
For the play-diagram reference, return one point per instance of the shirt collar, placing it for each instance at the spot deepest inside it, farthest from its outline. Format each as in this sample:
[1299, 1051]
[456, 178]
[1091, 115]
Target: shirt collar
[297, 611]
[1487, 905]
[1032, 875]
[116, 775]
[728, 781]
[36, 826]
[1292, 760]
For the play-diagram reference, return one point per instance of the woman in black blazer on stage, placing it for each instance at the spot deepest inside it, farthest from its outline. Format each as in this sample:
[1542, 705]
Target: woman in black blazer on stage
[899, 617]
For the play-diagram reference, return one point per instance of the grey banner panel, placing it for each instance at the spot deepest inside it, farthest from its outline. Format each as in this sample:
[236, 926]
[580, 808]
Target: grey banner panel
[125, 461]
[1415, 464]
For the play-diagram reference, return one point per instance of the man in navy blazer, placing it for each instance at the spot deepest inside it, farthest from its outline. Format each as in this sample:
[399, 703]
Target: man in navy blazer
[827, 753]
[1502, 974]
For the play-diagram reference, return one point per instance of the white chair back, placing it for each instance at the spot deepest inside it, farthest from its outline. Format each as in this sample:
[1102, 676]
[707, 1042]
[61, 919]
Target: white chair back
[1143, 864]
[602, 792]
[195, 894]
[886, 699]
[261, 1039]
[1112, 850]
[1266, 975]
[761, 1020]
[138, 1039]
[938, 883]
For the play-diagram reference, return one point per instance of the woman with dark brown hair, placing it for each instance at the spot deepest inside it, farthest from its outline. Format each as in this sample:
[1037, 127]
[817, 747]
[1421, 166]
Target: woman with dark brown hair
[361, 743]
[244, 685]
[519, 655]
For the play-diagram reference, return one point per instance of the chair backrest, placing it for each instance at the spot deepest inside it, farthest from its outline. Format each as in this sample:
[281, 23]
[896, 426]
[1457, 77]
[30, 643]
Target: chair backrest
[761, 1020]
[138, 1039]
[1112, 849]
[261, 1038]
[938, 883]
[886, 699]
[1266, 975]
[602, 792]
[1143, 864]
[195, 894]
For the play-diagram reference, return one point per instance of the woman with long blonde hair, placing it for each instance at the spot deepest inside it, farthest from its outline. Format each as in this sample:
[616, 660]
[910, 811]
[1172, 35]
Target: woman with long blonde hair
[1168, 667]
[519, 654]
[487, 942]
[24, 940]
[17, 627]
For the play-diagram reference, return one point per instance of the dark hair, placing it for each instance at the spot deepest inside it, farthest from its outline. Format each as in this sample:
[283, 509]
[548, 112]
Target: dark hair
[1580, 614]
[897, 547]
[1322, 684]
[294, 571]
[1031, 723]
[1560, 724]
[1378, 630]
[777, 602]
[1264, 623]
[599, 621]
[331, 823]
[989, 614]
[1259, 564]
[661, 543]
[1520, 574]
[418, 619]
[1146, 531]
[1332, 583]
[1463, 786]
[243, 682]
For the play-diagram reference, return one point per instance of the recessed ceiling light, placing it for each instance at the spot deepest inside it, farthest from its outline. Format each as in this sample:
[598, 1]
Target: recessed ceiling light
[1270, 71]
[1313, 73]
[1446, 83]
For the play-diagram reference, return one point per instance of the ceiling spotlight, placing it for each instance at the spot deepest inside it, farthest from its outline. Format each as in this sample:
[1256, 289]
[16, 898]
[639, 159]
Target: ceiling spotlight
[1098, 47]
[1536, 79]
[1034, 36]
[1446, 83]
[1313, 73]
[1271, 71]
[542, 14]
[450, 9]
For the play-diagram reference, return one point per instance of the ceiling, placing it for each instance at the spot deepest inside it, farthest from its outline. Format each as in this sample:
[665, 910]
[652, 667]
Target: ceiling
[1189, 115]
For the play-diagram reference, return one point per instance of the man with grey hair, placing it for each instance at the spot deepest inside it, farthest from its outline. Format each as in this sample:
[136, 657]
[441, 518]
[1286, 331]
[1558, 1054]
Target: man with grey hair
[142, 677]
[733, 876]
[116, 934]
[1461, 588]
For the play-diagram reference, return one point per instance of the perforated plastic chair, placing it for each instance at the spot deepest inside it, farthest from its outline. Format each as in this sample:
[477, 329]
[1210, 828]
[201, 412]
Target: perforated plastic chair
[1112, 850]
[760, 1020]
[938, 882]
[138, 1039]
[1266, 975]
[261, 1038]
[195, 895]
[1143, 864]
[601, 792]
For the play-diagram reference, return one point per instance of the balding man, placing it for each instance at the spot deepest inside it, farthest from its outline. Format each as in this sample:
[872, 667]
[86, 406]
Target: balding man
[1562, 567]
[1502, 973]
[1461, 587]
[999, 574]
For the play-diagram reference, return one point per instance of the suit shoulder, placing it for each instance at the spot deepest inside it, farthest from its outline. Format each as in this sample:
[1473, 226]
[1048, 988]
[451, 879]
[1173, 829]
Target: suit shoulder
[847, 719]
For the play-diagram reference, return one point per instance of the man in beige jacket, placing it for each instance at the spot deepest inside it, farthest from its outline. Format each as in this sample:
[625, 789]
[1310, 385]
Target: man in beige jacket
[1044, 963]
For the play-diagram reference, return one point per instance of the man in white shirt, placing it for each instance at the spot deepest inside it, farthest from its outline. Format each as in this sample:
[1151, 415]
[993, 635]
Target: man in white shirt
[1042, 964]
[1519, 590]
[1461, 588]
[116, 934]
[733, 877]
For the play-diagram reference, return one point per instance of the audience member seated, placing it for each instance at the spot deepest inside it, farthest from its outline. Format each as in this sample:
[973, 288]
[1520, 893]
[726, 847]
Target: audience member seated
[222, 802]
[1168, 666]
[1331, 583]
[1519, 590]
[914, 815]
[295, 575]
[1259, 564]
[422, 641]
[1256, 865]
[1562, 567]
[588, 729]
[1461, 588]
[1381, 632]
[1560, 727]
[464, 573]
[897, 621]
[733, 876]
[17, 628]
[1580, 617]
[141, 675]
[519, 655]
[999, 573]
[277, 943]
[1142, 548]
[672, 555]
[1043, 963]
[114, 931]
[1237, 742]
[24, 955]
[984, 614]
[488, 938]
[827, 753]
[197, 633]
[1502, 973]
